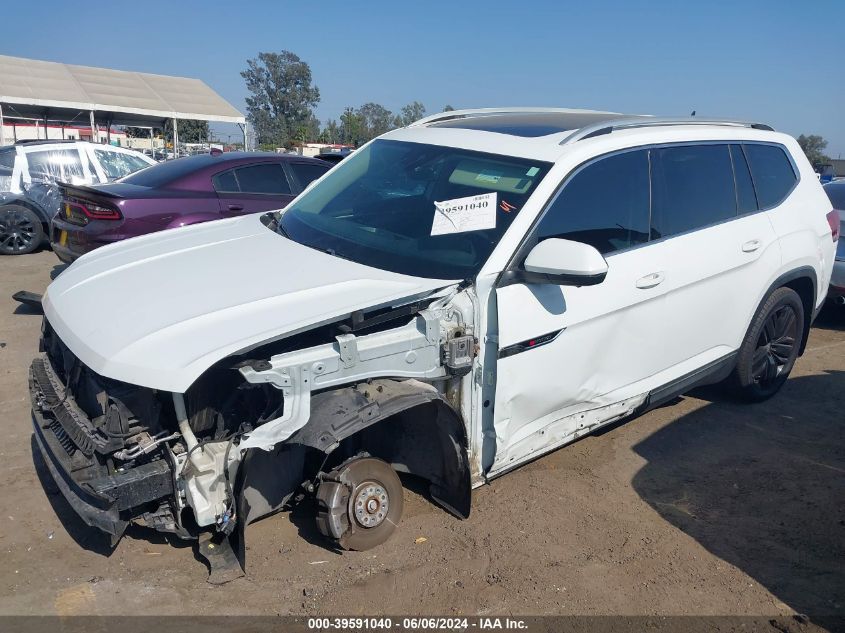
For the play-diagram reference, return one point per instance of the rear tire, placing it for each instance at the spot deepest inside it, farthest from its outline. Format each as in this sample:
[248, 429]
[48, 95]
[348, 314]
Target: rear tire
[21, 231]
[359, 503]
[771, 346]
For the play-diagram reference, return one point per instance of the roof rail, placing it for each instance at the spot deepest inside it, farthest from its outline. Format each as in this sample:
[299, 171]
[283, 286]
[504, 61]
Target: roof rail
[478, 112]
[606, 127]
[44, 141]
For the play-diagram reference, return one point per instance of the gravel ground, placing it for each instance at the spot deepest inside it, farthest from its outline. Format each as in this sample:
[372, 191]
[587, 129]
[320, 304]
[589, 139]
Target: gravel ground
[704, 506]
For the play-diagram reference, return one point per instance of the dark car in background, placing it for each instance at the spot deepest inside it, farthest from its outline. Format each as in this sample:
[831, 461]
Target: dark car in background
[177, 193]
[836, 192]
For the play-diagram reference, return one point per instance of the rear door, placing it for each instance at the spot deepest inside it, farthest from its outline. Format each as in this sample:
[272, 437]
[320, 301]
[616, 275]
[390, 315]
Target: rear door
[252, 189]
[304, 173]
[720, 250]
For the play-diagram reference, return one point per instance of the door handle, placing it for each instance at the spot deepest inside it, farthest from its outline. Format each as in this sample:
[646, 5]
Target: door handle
[651, 280]
[751, 246]
[236, 207]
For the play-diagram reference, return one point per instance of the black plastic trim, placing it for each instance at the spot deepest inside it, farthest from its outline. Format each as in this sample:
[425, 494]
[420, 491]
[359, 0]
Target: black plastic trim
[712, 372]
[519, 276]
[532, 343]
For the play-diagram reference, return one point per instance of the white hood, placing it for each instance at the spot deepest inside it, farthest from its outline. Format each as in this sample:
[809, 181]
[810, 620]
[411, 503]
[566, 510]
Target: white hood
[158, 310]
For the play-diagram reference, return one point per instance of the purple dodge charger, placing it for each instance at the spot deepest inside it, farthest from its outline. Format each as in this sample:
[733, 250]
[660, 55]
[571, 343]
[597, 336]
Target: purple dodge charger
[177, 193]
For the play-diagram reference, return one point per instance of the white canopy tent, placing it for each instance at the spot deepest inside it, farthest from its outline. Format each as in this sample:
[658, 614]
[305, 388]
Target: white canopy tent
[50, 91]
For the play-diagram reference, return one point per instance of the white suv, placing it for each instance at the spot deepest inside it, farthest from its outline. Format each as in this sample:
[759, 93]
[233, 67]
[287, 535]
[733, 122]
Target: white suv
[452, 300]
[30, 169]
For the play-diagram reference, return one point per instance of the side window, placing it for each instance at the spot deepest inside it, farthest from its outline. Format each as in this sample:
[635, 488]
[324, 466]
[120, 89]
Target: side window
[605, 205]
[225, 182]
[773, 175]
[746, 201]
[7, 157]
[305, 173]
[56, 164]
[693, 186]
[267, 178]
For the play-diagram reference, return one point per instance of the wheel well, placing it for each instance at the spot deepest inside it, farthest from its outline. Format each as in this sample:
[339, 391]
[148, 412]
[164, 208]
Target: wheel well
[406, 423]
[420, 441]
[32, 207]
[806, 289]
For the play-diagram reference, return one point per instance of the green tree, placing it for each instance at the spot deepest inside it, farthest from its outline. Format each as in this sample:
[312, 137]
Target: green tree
[414, 111]
[375, 120]
[330, 132]
[448, 108]
[351, 129]
[282, 96]
[814, 146]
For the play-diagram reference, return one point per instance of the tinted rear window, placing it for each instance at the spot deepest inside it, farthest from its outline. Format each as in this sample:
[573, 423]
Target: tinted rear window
[773, 175]
[604, 205]
[167, 172]
[225, 181]
[268, 178]
[693, 186]
[305, 173]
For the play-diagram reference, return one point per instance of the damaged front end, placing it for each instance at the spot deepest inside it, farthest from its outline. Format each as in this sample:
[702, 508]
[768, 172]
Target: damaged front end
[103, 442]
[263, 428]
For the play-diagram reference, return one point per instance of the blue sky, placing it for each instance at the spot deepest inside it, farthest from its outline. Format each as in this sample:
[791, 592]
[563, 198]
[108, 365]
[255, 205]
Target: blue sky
[776, 61]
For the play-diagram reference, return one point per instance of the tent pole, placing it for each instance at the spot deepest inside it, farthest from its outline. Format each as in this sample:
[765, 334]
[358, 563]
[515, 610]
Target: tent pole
[152, 148]
[91, 119]
[175, 139]
[2, 127]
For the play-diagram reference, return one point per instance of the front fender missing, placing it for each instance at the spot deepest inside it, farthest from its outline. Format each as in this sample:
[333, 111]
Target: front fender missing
[421, 433]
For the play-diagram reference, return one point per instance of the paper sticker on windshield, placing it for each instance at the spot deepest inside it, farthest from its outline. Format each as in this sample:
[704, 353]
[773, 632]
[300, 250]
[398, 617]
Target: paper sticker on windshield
[473, 213]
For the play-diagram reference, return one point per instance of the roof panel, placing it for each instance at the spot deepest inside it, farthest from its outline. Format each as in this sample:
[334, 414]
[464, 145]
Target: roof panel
[527, 124]
[35, 83]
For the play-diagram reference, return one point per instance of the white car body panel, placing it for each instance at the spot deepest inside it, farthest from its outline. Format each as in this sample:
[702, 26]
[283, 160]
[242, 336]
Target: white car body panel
[158, 310]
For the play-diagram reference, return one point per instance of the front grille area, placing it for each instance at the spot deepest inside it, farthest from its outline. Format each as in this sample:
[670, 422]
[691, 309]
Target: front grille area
[62, 437]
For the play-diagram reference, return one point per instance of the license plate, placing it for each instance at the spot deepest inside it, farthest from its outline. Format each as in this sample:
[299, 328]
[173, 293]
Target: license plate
[63, 238]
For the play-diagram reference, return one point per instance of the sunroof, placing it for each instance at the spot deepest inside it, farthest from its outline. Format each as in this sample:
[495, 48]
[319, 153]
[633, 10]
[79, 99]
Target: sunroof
[528, 124]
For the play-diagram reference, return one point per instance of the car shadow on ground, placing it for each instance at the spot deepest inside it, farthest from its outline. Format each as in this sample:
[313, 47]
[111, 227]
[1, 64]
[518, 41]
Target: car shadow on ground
[832, 317]
[761, 487]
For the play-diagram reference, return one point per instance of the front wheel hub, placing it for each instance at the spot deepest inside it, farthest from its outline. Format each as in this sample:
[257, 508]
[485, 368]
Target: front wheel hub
[371, 505]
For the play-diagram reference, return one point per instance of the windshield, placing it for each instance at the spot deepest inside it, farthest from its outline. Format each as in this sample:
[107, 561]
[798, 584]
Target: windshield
[415, 209]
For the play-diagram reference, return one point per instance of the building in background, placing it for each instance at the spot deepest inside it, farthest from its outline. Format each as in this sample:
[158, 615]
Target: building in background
[14, 131]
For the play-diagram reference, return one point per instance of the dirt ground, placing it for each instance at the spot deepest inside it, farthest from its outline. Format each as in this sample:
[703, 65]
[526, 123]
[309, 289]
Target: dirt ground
[702, 507]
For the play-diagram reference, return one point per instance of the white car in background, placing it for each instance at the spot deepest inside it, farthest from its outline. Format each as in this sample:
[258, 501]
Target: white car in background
[454, 299]
[29, 171]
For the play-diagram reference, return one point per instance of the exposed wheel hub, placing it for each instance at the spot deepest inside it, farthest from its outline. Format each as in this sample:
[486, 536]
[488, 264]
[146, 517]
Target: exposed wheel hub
[371, 504]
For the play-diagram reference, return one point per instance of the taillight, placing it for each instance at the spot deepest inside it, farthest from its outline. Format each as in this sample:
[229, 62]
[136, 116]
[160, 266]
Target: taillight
[80, 212]
[833, 220]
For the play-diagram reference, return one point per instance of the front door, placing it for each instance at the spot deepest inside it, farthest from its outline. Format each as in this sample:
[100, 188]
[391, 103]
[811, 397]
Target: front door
[571, 358]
